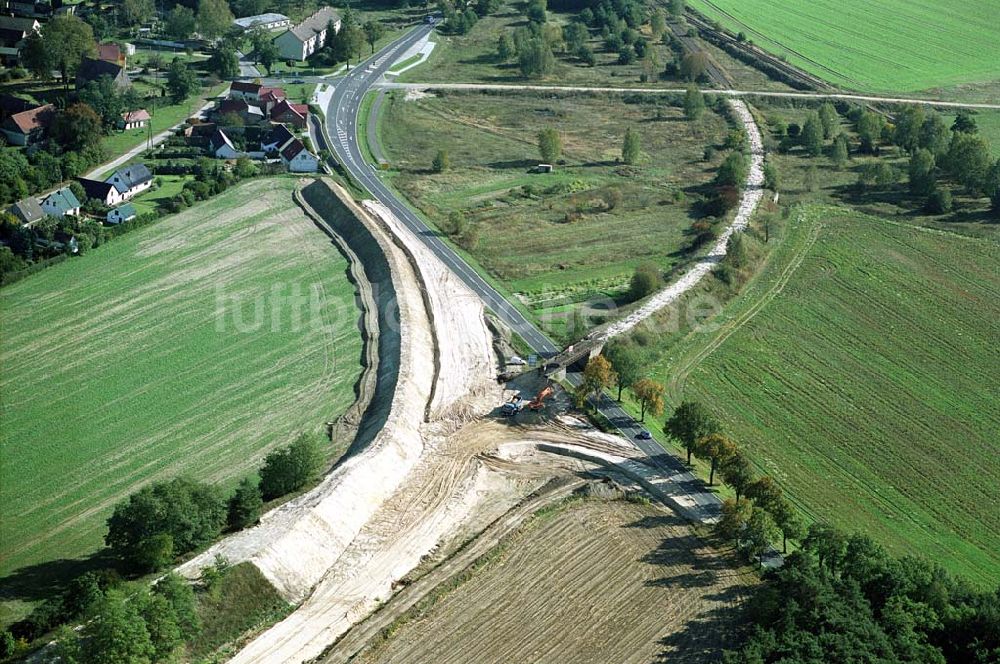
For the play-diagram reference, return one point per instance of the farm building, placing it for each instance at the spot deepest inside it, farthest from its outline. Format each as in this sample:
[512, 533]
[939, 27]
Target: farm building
[13, 32]
[28, 211]
[278, 137]
[61, 203]
[131, 180]
[112, 53]
[121, 214]
[135, 119]
[26, 127]
[266, 21]
[269, 98]
[297, 158]
[92, 69]
[105, 192]
[247, 112]
[307, 37]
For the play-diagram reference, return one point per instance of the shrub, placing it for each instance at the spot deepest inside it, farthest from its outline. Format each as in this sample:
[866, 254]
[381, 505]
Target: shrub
[939, 202]
[645, 281]
[245, 505]
[290, 468]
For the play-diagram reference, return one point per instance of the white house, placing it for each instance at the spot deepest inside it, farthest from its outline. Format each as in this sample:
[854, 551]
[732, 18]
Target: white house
[121, 214]
[222, 146]
[307, 37]
[131, 180]
[105, 192]
[269, 21]
[297, 159]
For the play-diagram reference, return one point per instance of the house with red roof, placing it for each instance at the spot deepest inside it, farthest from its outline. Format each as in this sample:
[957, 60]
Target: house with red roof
[135, 119]
[29, 126]
[297, 158]
[111, 53]
[296, 115]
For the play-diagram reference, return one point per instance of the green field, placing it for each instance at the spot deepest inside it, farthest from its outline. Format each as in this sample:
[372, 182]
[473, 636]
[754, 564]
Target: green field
[860, 369]
[889, 46]
[144, 360]
[550, 237]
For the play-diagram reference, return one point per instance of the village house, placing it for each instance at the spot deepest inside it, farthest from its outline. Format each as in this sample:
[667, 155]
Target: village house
[266, 21]
[92, 70]
[276, 139]
[247, 112]
[293, 114]
[121, 214]
[135, 119]
[297, 159]
[105, 192]
[131, 180]
[269, 98]
[28, 211]
[222, 146]
[13, 32]
[307, 37]
[61, 203]
[26, 127]
[245, 90]
[112, 53]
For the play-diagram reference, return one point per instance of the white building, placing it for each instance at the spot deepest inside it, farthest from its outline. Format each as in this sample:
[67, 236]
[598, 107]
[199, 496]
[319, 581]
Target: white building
[265, 21]
[307, 37]
[297, 159]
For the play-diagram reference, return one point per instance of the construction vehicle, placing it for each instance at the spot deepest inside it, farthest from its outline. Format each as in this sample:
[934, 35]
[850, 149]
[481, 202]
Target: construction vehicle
[539, 401]
[513, 406]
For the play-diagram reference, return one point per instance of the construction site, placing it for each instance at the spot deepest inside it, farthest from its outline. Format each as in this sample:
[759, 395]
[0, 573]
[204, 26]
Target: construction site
[450, 468]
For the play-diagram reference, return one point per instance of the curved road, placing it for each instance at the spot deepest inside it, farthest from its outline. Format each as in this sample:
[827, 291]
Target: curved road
[342, 126]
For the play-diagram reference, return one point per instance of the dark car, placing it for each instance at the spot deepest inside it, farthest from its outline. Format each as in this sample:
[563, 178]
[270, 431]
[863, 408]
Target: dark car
[644, 435]
[297, 81]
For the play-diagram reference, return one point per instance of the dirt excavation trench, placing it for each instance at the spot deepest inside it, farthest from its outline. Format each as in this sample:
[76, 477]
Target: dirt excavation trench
[432, 466]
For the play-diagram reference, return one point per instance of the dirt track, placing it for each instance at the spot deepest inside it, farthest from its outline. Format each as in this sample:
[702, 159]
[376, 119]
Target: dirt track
[599, 582]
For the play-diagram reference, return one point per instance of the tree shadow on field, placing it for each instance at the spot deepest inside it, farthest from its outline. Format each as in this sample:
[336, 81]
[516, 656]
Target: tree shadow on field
[703, 638]
[38, 582]
[513, 163]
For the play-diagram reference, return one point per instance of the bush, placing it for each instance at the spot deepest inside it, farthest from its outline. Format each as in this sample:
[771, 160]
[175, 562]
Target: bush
[164, 519]
[245, 505]
[645, 281]
[939, 202]
[291, 468]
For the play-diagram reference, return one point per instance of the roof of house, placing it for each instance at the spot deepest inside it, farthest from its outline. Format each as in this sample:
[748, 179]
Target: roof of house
[10, 37]
[35, 118]
[279, 135]
[91, 69]
[9, 104]
[245, 86]
[302, 110]
[131, 176]
[219, 139]
[17, 23]
[27, 210]
[141, 115]
[125, 211]
[248, 22]
[315, 24]
[109, 52]
[292, 149]
[96, 188]
[271, 94]
[63, 200]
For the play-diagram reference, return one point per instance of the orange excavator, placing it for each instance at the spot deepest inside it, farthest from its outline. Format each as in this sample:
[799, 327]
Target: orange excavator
[539, 401]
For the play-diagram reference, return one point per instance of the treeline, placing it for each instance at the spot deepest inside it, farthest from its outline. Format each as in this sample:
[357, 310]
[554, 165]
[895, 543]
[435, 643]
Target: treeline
[151, 530]
[843, 598]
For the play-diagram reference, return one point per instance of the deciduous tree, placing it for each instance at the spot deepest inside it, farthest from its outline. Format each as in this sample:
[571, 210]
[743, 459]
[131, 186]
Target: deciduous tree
[788, 521]
[627, 363]
[535, 58]
[922, 172]
[61, 45]
[441, 162]
[598, 376]
[181, 81]
[968, 161]
[650, 395]
[291, 468]
[180, 23]
[245, 505]
[830, 119]
[77, 128]
[694, 103]
[694, 65]
[117, 633]
[646, 280]
[812, 134]
[689, 422]
[214, 18]
[716, 449]
[373, 32]
[631, 146]
[760, 531]
[549, 145]
[737, 472]
[840, 152]
[734, 516]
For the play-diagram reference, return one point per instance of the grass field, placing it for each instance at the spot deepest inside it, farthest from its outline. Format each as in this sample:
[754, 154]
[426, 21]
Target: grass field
[593, 583]
[890, 46]
[551, 237]
[193, 346]
[860, 370]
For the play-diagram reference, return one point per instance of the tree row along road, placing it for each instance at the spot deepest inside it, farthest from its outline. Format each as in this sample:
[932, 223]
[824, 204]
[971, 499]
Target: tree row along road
[341, 138]
[719, 91]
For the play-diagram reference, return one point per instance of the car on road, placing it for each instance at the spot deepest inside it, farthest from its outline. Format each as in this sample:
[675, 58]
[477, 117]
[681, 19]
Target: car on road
[297, 81]
[644, 435]
[516, 361]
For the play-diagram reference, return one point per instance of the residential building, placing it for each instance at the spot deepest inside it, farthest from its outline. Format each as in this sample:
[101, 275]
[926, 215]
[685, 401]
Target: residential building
[249, 113]
[135, 119]
[131, 180]
[121, 214]
[265, 21]
[112, 53]
[297, 159]
[105, 192]
[309, 36]
[293, 114]
[276, 139]
[92, 70]
[26, 127]
[222, 147]
[28, 211]
[61, 203]
[13, 32]
[245, 90]
[269, 97]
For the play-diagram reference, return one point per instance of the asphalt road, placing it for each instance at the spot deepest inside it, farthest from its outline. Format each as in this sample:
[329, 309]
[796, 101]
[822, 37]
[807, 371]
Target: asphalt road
[342, 118]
